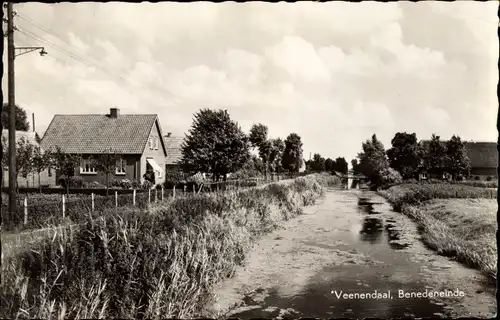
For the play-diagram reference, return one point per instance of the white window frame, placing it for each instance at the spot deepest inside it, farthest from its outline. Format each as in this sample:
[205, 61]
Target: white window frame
[157, 140]
[83, 165]
[121, 167]
[150, 142]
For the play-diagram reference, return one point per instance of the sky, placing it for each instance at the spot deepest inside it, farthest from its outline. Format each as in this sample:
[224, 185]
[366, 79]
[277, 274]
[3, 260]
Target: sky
[334, 73]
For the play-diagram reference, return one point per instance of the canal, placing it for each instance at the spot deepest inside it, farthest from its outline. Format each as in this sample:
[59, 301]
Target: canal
[351, 243]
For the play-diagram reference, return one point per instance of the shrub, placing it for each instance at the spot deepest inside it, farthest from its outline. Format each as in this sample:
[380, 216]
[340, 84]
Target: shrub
[94, 185]
[390, 176]
[146, 185]
[123, 184]
[489, 178]
[477, 178]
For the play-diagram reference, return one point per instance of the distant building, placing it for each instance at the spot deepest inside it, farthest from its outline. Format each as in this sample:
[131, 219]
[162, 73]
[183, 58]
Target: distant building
[137, 138]
[47, 177]
[174, 152]
[483, 158]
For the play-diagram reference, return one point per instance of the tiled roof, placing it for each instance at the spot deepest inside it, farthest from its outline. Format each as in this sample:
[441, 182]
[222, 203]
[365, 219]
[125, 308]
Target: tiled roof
[174, 149]
[482, 154]
[90, 134]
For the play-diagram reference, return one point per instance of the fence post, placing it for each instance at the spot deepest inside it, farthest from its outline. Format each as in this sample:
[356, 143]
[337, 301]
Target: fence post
[162, 198]
[133, 198]
[25, 210]
[156, 195]
[149, 196]
[173, 193]
[194, 189]
[116, 199]
[93, 206]
[64, 206]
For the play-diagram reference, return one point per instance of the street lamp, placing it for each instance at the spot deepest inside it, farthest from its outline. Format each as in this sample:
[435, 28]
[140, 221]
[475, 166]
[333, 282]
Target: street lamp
[25, 50]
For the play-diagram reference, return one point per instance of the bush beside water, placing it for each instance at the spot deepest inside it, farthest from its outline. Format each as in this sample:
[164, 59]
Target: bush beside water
[160, 263]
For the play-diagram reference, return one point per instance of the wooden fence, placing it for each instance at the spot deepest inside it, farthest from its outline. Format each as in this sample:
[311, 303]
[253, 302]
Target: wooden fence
[41, 210]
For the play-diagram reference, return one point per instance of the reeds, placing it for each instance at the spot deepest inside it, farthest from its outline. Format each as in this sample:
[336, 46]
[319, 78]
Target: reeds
[154, 264]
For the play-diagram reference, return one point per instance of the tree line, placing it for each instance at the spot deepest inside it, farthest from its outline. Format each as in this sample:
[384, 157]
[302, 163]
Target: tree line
[408, 158]
[216, 144]
[319, 164]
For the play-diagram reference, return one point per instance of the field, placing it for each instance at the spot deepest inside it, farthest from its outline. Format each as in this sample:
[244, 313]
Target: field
[456, 220]
[148, 264]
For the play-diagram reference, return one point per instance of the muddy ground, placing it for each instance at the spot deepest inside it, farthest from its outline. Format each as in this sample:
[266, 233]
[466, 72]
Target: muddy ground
[350, 242]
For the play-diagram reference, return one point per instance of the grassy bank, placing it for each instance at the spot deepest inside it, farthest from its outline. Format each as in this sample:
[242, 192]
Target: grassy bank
[415, 193]
[456, 220]
[161, 263]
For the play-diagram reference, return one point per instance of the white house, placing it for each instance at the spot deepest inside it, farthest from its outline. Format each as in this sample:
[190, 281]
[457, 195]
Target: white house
[47, 177]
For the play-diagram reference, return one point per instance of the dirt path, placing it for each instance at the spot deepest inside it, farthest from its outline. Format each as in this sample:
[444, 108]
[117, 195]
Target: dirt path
[350, 242]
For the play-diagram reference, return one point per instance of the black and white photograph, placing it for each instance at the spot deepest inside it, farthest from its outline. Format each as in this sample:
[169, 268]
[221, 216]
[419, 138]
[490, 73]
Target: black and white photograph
[245, 160]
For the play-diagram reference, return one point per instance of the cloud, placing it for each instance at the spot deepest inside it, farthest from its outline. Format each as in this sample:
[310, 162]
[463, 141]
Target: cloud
[334, 72]
[299, 59]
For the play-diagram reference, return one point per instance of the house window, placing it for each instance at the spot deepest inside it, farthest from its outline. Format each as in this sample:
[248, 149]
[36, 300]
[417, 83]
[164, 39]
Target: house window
[120, 167]
[87, 167]
[151, 146]
[156, 143]
[50, 171]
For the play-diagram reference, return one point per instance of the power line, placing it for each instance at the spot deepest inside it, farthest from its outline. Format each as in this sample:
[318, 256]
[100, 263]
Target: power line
[85, 60]
[61, 38]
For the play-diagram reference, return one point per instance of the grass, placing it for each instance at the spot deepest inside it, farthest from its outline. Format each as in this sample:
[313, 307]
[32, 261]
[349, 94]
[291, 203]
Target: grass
[472, 183]
[457, 221]
[160, 263]
[415, 193]
[45, 210]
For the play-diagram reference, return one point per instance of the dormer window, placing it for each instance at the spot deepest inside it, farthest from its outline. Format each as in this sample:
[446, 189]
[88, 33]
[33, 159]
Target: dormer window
[157, 143]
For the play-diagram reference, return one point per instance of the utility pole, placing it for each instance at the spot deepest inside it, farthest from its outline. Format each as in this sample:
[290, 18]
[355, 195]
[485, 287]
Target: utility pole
[11, 54]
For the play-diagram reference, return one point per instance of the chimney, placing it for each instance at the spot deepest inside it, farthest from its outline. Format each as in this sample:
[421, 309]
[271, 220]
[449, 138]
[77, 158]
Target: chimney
[168, 134]
[114, 113]
[33, 122]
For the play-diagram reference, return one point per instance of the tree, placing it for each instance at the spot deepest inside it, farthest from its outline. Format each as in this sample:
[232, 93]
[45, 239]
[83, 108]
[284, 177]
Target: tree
[341, 165]
[22, 123]
[435, 156]
[105, 163]
[329, 165]
[405, 154]
[215, 144]
[40, 161]
[64, 163]
[292, 156]
[373, 160]
[355, 166]
[24, 154]
[317, 164]
[457, 161]
[276, 156]
[258, 138]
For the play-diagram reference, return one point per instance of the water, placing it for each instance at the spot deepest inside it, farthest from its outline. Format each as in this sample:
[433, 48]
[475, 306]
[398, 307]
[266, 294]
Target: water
[373, 231]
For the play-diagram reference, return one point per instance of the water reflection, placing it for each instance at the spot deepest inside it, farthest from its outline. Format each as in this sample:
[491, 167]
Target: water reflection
[372, 230]
[366, 206]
